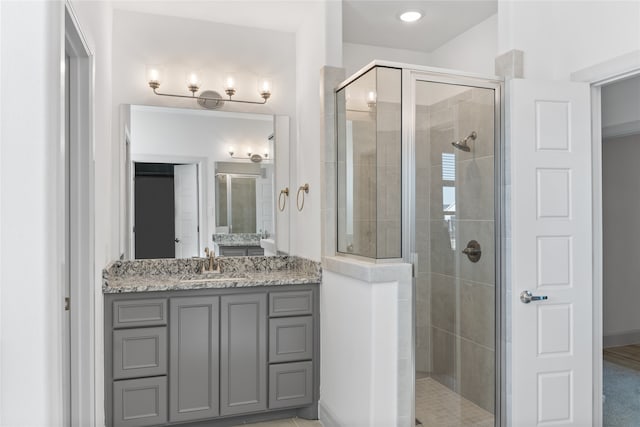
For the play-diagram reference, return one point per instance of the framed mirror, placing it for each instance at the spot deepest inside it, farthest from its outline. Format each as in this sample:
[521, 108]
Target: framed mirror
[196, 179]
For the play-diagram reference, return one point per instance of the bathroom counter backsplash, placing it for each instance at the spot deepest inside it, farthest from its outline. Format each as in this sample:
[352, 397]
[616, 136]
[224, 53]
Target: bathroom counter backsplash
[182, 274]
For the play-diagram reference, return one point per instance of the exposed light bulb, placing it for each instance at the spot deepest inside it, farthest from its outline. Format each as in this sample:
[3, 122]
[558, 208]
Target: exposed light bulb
[264, 88]
[230, 85]
[154, 76]
[193, 82]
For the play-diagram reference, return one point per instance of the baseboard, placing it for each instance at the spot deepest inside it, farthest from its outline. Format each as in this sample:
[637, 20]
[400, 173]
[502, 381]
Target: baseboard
[326, 416]
[622, 338]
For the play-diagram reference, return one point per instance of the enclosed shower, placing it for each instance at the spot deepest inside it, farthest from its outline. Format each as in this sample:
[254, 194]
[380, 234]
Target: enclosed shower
[418, 168]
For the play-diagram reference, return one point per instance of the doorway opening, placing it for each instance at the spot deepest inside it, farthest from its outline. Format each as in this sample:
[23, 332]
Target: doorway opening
[166, 210]
[78, 159]
[620, 103]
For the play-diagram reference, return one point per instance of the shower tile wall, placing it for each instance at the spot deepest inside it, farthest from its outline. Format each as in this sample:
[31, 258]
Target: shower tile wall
[455, 298]
[377, 174]
[365, 183]
[389, 174]
[423, 243]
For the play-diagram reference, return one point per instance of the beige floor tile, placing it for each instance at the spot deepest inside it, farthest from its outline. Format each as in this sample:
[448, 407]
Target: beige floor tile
[289, 422]
[276, 423]
[300, 422]
[438, 406]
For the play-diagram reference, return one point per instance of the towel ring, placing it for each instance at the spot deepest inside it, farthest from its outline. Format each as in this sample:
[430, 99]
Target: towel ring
[302, 188]
[282, 201]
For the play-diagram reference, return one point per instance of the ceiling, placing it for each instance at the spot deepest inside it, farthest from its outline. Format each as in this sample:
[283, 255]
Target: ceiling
[376, 22]
[372, 22]
[279, 15]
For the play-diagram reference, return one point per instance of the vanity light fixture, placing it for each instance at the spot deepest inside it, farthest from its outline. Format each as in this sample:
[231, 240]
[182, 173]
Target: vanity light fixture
[255, 158]
[209, 98]
[410, 16]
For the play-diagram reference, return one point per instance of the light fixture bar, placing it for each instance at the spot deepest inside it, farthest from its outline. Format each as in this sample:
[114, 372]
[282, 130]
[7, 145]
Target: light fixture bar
[265, 96]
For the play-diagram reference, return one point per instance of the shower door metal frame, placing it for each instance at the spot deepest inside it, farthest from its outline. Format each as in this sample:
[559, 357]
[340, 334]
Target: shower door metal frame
[410, 76]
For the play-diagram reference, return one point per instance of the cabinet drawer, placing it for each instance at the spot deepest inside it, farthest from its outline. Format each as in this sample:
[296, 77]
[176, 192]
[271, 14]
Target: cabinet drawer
[290, 384]
[290, 303]
[140, 402]
[255, 251]
[290, 339]
[139, 352]
[143, 312]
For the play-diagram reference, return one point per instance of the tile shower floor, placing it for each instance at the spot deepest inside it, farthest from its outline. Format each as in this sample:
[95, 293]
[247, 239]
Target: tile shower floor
[437, 405]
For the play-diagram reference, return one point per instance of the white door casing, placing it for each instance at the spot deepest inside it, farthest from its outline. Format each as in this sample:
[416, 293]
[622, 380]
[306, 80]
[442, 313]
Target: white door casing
[185, 178]
[551, 252]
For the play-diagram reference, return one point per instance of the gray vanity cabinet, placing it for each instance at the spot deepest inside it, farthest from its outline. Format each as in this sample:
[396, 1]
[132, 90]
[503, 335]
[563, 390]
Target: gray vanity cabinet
[194, 367]
[241, 251]
[243, 360]
[214, 357]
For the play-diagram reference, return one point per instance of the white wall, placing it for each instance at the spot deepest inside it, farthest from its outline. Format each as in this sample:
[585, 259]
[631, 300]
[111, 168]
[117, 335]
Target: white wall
[561, 37]
[318, 43]
[31, 294]
[355, 56]
[621, 234]
[472, 51]
[179, 134]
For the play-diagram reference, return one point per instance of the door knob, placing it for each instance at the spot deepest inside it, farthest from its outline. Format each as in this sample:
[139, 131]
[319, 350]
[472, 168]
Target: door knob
[177, 240]
[526, 297]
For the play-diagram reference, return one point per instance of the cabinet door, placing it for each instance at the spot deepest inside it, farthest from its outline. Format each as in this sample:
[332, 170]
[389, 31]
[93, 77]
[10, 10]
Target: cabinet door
[290, 384]
[243, 360]
[194, 363]
[140, 352]
[290, 339]
[140, 402]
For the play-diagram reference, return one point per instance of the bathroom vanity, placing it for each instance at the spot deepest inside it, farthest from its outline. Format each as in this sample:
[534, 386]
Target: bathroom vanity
[211, 348]
[237, 244]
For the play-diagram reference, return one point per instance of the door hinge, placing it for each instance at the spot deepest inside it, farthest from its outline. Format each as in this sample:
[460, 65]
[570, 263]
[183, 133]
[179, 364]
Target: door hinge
[67, 303]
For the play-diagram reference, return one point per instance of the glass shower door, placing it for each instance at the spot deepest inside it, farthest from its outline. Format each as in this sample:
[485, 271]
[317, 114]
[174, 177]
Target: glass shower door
[455, 293]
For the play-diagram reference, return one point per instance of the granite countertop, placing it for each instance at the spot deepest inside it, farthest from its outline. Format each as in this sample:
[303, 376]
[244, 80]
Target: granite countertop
[236, 239]
[184, 274]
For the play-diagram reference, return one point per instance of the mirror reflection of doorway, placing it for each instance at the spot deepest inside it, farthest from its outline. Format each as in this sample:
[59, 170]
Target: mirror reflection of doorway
[166, 223]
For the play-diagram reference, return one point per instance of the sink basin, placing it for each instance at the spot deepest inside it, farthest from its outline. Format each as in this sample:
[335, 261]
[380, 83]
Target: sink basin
[212, 276]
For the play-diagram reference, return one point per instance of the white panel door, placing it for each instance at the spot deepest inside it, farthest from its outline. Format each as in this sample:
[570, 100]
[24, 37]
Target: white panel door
[551, 356]
[185, 179]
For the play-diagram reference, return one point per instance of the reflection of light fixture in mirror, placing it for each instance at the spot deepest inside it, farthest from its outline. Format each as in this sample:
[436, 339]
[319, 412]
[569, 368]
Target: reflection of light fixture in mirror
[208, 99]
[255, 158]
[371, 99]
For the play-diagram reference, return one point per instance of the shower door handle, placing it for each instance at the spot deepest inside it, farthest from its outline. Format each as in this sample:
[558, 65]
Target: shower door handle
[526, 297]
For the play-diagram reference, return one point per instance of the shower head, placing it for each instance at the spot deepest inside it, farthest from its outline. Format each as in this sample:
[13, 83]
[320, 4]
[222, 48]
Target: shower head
[462, 144]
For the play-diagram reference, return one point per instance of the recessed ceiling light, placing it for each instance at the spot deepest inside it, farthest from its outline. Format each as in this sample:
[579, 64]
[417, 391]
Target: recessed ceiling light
[410, 16]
